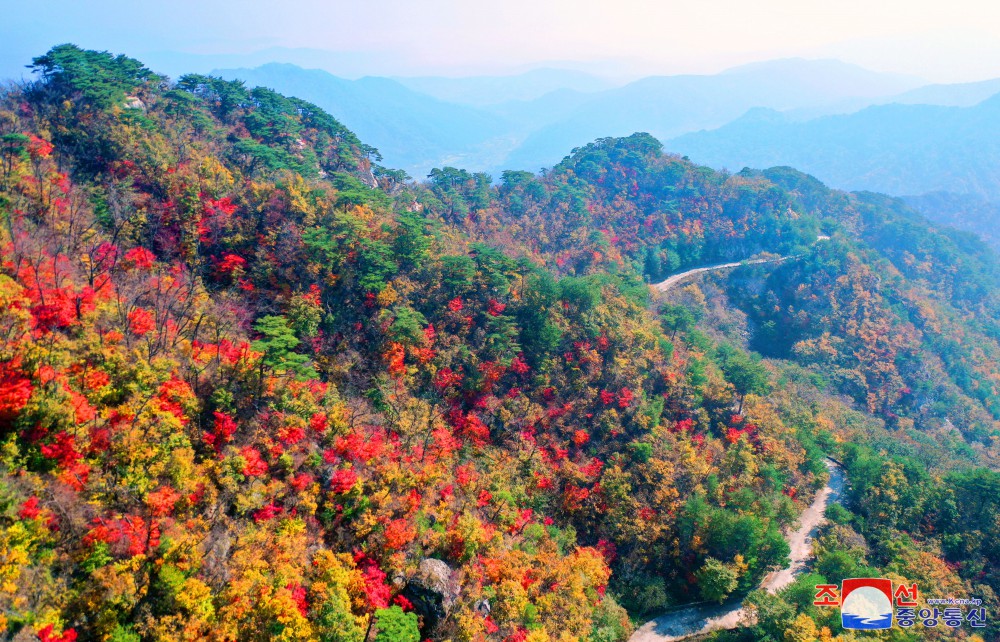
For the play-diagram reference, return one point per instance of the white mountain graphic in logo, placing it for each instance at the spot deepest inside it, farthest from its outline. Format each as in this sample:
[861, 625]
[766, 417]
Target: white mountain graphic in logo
[866, 608]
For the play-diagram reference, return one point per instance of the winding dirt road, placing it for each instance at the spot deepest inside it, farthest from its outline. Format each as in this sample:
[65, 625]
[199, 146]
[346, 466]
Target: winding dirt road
[700, 619]
[671, 281]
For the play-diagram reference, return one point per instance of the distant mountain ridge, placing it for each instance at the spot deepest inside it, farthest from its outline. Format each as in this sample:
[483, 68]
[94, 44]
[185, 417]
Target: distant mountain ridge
[491, 90]
[412, 130]
[530, 120]
[898, 149]
[961, 211]
[851, 127]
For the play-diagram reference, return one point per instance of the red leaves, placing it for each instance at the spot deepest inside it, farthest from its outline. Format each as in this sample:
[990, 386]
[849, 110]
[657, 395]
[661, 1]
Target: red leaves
[519, 635]
[63, 450]
[465, 475]
[523, 519]
[413, 500]
[139, 258]
[82, 410]
[230, 264]
[45, 373]
[313, 296]
[495, 308]
[128, 535]
[445, 441]
[39, 148]
[54, 305]
[15, 389]
[229, 353]
[29, 509]
[492, 372]
[46, 635]
[607, 398]
[299, 596]
[221, 207]
[423, 355]
[542, 482]
[593, 469]
[558, 411]
[685, 425]
[426, 352]
[398, 533]
[445, 379]
[394, 357]
[161, 502]
[456, 305]
[574, 496]
[519, 366]
[172, 394]
[359, 447]
[580, 437]
[343, 480]
[471, 427]
[216, 216]
[104, 256]
[266, 513]
[255, 466]
[607, 549]
[625, 398]
[485, 497]
[141, 321]
[223, 430]
[319, 423]
[373, 582]
[301, 481]
[291, 434]
[93, 379]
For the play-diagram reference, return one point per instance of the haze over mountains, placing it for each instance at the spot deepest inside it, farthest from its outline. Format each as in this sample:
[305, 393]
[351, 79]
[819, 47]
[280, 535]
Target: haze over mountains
[899, 149]
[532, 120]
[852, 128]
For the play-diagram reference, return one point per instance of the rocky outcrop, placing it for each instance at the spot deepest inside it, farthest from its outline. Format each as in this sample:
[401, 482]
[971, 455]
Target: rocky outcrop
[433, 590]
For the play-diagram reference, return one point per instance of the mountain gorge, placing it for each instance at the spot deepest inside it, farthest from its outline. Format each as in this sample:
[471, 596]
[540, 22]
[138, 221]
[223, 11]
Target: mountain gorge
[255, 384]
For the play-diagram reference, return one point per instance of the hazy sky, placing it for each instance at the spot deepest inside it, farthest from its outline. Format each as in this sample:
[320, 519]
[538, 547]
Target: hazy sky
[957, 40]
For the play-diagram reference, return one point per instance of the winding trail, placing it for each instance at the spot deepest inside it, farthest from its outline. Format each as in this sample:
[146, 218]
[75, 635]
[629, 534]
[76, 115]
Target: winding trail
[704, 618]
[673, 280]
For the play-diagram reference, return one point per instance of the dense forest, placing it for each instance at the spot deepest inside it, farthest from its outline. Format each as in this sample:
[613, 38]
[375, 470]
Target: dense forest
[255, 385]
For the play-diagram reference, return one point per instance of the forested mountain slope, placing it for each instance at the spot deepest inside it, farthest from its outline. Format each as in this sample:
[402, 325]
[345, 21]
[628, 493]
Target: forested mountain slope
[412, 129]
[254, 386]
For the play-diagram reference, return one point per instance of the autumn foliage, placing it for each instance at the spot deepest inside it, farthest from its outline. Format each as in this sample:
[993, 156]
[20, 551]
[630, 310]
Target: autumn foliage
[251, 389]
